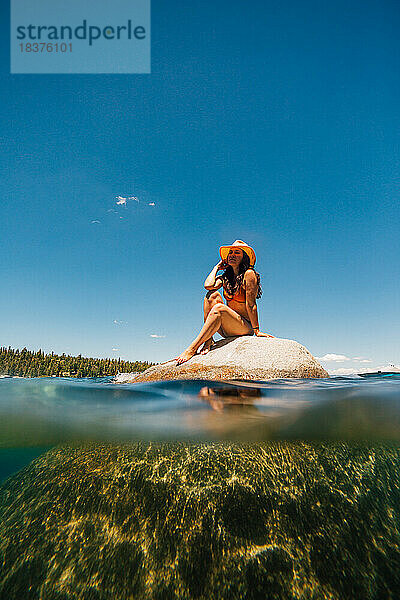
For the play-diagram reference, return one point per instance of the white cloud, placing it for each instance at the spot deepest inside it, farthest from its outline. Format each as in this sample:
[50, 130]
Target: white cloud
[354, 370]
[334, 358]
[342, 371]
[133, 198]
[116, 322]
[152, 203]
[343, 358]
[95, 221]
[155, 335]
[115, 349]
[121, 200]
[391, 368]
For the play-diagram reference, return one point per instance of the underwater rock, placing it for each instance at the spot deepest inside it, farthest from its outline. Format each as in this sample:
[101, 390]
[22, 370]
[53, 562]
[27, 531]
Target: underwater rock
[182, 522]
[243, 357]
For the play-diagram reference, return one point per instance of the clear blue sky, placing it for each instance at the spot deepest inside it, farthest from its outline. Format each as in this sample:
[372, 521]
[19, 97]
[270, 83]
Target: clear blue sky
[273, 122]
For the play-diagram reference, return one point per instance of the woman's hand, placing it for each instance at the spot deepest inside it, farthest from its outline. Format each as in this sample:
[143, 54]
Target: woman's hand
[259, 333]
[214, 281]
[221, 265]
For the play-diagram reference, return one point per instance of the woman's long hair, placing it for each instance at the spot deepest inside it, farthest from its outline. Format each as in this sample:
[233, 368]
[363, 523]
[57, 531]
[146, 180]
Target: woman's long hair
[232, 282]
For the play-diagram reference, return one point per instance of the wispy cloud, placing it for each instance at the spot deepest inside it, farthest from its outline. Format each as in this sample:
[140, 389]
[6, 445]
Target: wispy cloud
[155, 335]
[115, 349]
[95, 221]
[117, 322]
[362, 359]
[123, 201]
[343, 371]
[333, 358]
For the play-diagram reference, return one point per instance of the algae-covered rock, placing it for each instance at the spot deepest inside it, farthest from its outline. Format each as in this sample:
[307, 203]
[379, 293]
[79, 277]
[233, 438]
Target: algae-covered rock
[178, 521]
[242, 357]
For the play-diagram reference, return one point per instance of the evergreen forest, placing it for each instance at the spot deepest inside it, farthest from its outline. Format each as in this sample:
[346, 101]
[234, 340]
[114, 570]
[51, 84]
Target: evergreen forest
[26, 363]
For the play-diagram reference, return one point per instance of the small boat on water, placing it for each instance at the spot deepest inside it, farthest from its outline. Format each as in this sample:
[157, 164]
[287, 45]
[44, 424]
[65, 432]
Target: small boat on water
[380, 374]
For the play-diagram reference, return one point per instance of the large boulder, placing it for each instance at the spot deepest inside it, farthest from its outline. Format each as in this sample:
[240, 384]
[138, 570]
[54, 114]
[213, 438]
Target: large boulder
[194, 522]
[242, 357]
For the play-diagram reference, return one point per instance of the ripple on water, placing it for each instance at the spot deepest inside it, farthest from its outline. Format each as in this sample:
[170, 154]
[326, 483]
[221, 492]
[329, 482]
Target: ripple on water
[47, 411]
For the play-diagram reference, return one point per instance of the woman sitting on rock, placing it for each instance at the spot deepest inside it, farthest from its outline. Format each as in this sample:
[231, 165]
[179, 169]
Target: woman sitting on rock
[241, 288]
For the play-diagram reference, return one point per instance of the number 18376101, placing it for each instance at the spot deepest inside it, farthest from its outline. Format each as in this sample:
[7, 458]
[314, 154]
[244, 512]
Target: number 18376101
[45, 47]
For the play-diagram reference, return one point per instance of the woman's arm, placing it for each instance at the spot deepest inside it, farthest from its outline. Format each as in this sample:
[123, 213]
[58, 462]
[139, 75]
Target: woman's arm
[213, 282]
[251, 282]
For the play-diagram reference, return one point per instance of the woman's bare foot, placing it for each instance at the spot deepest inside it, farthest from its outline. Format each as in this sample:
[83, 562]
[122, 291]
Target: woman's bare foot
[207, 346]
[185, 356]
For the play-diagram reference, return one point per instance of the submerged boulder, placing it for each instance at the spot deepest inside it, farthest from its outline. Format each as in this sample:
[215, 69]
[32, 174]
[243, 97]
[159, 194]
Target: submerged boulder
[182, 522]
[243, 357]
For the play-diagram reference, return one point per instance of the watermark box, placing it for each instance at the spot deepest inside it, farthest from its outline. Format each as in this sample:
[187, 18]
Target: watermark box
[80, 36]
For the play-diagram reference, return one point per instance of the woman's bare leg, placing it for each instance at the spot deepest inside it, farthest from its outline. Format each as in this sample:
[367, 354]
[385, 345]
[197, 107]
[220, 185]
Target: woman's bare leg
[219, 316]
[210, 300]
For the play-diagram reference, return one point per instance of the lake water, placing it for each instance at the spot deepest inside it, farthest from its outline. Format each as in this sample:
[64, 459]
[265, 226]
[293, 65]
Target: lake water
[180, 490]
[39, 413]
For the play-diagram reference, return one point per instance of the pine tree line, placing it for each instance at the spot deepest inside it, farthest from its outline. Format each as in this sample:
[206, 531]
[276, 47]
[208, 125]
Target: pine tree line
[26, 363]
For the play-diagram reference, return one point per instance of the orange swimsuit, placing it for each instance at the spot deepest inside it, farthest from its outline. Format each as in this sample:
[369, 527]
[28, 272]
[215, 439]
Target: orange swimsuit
[239, 296]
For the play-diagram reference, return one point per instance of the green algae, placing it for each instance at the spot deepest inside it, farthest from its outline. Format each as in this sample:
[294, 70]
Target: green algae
[163, 521]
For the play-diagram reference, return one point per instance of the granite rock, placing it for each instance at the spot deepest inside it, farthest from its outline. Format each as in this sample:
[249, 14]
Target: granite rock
[243, 357]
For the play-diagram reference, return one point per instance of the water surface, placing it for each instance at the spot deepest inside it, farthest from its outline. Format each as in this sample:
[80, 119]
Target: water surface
[47, 411]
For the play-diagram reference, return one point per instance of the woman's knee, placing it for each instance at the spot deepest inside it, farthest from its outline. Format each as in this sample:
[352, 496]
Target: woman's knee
[218, 309]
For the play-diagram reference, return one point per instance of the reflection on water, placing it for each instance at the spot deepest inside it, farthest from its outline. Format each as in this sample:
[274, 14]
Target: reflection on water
[43, 412]
[230, 397]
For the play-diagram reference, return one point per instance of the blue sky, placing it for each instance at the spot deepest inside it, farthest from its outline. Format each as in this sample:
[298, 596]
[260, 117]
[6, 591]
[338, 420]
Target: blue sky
[276, 123]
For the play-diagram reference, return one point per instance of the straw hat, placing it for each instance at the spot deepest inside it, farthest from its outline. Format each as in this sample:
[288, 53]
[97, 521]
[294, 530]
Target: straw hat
[224, 250]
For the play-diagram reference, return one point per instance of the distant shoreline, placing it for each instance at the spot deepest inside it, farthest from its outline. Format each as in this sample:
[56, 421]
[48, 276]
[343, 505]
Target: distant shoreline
[27, 363]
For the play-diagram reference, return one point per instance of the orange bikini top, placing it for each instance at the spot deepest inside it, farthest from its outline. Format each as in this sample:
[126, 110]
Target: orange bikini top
[239, 296]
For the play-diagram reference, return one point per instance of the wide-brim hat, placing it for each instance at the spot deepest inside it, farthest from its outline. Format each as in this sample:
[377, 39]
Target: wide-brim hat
[224, 250]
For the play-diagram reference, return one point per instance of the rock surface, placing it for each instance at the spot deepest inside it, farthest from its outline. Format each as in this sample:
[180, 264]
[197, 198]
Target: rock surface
[242, 357]
[183, 522]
